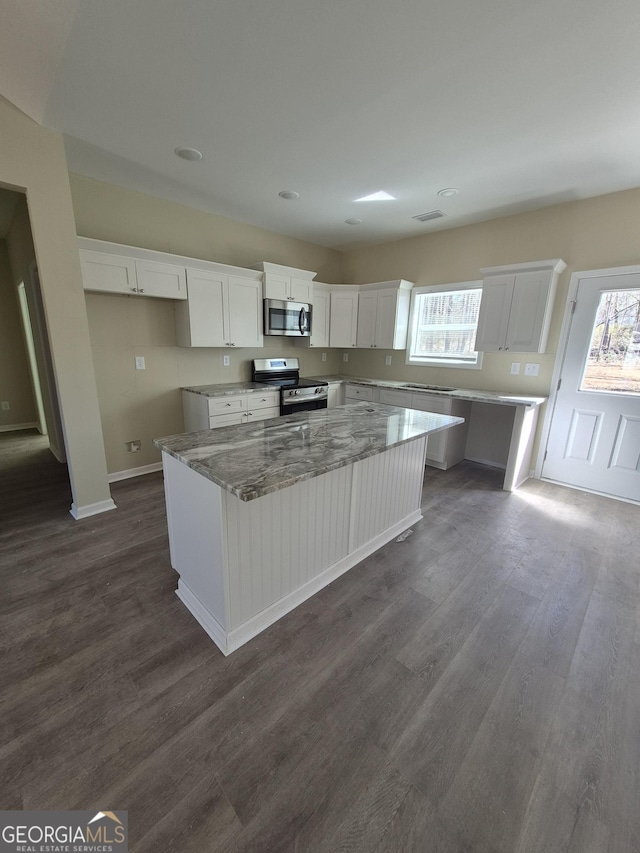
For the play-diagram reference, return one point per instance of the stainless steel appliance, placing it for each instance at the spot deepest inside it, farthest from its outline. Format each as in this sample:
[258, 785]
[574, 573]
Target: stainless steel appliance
[296, 395]
[287, 318]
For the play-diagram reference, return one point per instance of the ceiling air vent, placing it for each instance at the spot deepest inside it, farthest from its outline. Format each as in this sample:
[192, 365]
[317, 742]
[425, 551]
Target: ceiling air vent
[427, 217]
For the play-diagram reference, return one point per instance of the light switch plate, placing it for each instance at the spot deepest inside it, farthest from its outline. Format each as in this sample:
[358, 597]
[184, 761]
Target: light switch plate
[515, 368]
[531, 369]
[387, 360]
[226, 360]
[345, 356]
[324, 356]
[140, 362]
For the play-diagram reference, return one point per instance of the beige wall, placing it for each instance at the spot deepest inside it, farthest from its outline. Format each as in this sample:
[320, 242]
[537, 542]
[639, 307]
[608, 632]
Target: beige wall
[147, 404]
[592, 234]
[32, 160]
[15, 376]
[22, 255]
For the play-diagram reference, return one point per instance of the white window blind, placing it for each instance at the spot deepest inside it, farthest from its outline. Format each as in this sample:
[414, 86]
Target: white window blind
[445, 319]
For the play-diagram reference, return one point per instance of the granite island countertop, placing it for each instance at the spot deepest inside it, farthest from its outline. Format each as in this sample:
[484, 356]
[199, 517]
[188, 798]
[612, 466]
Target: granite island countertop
[476, 396]
[254, 459]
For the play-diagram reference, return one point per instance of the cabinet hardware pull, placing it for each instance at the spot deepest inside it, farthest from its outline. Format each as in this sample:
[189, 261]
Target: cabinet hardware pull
[141, 290]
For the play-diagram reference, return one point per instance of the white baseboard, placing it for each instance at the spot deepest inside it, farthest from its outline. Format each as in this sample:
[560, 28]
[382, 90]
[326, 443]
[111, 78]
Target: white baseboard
[80, 512]
[134, 472]
[488, 462]
[229, 641]
[16, 427]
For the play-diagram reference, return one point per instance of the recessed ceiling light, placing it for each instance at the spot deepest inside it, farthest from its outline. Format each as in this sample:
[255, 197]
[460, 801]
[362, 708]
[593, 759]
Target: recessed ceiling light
[191, 154]
[448, 192]
[353, 221]
[289, 194]
[381, 195]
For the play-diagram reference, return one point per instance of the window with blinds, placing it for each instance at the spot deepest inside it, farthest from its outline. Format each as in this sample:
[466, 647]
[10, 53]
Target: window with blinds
[444, 323]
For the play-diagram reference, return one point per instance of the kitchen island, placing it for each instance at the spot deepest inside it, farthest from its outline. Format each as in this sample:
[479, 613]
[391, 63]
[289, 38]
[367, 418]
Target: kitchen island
[262, 516]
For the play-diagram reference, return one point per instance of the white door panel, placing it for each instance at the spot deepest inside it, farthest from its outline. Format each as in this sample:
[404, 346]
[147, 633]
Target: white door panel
[594, 438]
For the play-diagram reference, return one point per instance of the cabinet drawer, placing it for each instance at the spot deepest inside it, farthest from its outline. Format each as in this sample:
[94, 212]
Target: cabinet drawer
[227, 405]
[357, 392]
[263, 401]
[396, 398]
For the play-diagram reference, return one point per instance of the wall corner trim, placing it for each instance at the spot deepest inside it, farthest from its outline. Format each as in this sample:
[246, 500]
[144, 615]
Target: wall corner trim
[80, 512]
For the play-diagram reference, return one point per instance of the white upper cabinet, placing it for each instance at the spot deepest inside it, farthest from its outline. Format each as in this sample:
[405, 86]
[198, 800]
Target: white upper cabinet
[320, 316]
[222, 310]
[112, 268]
[383, 314]
[286, 283]
[516, 307]
[164, 280]
[343, 326]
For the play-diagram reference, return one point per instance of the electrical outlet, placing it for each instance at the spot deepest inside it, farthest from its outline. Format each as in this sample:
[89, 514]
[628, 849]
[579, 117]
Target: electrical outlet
[515, 368]
[140, 362]
[387, 360]
[324, 356]
[226, 360]
[133, 446]
[345, 356]
[531, 369]
[5, 406]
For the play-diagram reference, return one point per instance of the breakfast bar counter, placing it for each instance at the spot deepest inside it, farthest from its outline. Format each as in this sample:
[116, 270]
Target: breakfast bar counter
[263, 515]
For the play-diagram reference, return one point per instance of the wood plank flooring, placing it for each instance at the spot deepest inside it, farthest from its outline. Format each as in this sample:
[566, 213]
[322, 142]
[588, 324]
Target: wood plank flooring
[475, 687]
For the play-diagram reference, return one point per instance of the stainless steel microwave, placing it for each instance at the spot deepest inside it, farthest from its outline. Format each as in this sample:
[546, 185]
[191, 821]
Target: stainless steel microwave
[287, 318]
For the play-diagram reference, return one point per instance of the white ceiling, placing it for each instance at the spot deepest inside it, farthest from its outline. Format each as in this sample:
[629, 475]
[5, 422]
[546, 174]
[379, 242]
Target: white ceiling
[519, 104]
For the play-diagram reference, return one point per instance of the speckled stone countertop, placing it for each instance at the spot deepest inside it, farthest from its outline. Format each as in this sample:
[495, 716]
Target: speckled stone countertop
[254, 459]
[229, 388]
[503, 399]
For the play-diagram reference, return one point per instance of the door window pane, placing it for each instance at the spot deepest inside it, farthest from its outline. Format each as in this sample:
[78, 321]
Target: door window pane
[613, 362]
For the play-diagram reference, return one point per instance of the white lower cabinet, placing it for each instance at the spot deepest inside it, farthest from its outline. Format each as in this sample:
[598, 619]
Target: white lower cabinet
[203, 412]
[334, 392]
[396, 398]
[447, 448]
[359, 393]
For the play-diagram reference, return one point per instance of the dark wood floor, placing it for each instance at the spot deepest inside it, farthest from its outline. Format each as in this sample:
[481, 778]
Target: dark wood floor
[475, 687]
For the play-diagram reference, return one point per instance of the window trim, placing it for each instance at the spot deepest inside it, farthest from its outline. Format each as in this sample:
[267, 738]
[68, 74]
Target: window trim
[434, 362]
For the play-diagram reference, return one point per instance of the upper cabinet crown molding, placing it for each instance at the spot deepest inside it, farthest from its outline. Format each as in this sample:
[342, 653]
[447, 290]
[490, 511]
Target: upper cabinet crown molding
[279, 269]
[517, 304]
[555, 265]
[286, 283]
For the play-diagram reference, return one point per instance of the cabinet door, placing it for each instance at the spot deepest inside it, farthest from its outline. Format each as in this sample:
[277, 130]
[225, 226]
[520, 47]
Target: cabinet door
[344, 319]
[333, 396]
[528, 310]
[301, 290]
[276, 286]
[262, 414]
[386, 320]
[107, 273]
[244, 307]
[436, 443]
[163, 280]
[367, 314]
[227, 420]
[320, 317]
[200, 323]
[495, 307]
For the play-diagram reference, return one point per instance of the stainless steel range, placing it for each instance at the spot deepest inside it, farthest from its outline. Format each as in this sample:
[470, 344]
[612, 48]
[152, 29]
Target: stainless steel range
[296, 395]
